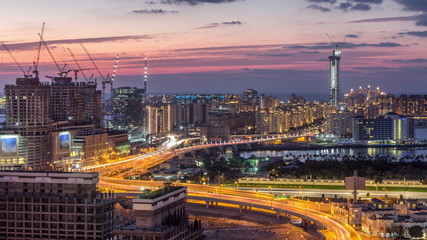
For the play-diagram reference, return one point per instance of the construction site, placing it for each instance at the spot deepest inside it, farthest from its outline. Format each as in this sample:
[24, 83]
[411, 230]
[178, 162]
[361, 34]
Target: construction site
[60, 122]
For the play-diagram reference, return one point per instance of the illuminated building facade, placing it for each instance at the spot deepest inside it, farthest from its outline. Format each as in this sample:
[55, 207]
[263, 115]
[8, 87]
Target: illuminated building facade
[28, 118]
[340, 124]
[53, 205]
[391, 128]
[334, 81]
[42, 120]
[413, 105]
[128, 111]
[369, 102]
[159, 119]
[91, 148]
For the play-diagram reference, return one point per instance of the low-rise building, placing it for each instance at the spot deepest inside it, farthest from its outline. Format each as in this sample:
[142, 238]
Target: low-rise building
[378, 218]
[161, 215]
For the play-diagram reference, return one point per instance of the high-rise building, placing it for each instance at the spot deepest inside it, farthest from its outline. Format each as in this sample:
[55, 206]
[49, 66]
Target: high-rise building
[28, 124]
[372, 130]
[75, 102]
[52, 205]
[270, 121]
[159, 119]
[334, 81]
[128, 111]
[161, 215]
[250, 97]
[340, 124]
[390, 128]
[294, 99]
[42, 119]
[414, 105]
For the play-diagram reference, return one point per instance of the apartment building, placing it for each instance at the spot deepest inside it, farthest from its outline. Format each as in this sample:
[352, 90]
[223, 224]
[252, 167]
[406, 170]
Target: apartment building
[54, 205]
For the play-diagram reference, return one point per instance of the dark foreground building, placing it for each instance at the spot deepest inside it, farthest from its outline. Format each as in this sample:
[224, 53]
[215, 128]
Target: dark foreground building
[52, 205]
[160, 215]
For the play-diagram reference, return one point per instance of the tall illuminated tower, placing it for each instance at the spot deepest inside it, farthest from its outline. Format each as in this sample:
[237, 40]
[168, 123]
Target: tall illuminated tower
[334, 67]
[145, 77]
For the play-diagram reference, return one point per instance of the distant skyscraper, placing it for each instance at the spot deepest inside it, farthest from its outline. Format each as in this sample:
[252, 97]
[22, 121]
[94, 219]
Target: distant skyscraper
[390, 128]
[334, 67]
[128, 112]
[250, 96]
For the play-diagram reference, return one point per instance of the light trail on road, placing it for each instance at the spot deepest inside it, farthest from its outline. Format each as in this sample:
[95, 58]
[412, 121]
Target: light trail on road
[341, 231]
[166, 151]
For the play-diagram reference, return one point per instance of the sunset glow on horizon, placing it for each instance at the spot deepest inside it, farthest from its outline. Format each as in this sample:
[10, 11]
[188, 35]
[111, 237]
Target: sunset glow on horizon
[240, 43]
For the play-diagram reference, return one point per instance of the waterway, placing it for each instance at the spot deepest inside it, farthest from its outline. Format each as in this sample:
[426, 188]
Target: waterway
[398, 152]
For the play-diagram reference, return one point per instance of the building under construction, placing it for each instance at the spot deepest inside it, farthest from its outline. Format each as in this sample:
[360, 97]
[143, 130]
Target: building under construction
[43, 118]
[46, 121]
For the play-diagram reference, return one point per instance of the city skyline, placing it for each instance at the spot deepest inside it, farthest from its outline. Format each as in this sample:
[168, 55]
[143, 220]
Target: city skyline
[279, 46]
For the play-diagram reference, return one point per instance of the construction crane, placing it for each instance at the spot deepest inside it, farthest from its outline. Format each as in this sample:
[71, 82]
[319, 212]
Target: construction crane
[93, 62]
[110, 80]
[61, 73]
[338, 45]
[78, 66]
[26, 74]
[36, 62]
[105, 80]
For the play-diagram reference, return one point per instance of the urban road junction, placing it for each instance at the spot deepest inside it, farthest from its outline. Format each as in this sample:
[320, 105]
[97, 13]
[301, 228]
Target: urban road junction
[205, 194]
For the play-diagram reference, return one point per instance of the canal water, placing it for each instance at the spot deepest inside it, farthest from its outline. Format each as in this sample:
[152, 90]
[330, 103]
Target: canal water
[398, 152]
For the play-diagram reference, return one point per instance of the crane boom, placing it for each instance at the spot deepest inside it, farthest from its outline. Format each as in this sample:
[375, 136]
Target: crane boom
[78, 65]
[36, 63]
[330, 38]
[50, 53]
[14, 59]
[93, 62]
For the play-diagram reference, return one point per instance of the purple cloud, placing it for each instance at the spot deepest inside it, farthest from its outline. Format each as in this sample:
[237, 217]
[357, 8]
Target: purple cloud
[318, 7]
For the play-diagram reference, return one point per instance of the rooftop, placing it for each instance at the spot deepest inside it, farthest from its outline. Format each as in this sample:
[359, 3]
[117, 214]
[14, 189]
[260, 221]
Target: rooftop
[158, 193]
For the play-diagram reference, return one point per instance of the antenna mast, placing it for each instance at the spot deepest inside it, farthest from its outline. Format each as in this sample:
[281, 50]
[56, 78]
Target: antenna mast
[111, 80]
[145, 77]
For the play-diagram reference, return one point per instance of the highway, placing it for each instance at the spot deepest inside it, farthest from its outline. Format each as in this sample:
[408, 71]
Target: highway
[168, 150]
[115, 182]
[330, 193]
[338, 230]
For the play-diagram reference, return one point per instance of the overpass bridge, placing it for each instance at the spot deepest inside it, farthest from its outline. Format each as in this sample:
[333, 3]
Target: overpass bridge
[171, 148]
[246, 200]
[211, 196]
[239, 141]
[142, 164]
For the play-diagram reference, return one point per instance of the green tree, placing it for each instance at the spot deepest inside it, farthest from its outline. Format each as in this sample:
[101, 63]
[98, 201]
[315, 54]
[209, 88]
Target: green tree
[399, 230]
[415, 231]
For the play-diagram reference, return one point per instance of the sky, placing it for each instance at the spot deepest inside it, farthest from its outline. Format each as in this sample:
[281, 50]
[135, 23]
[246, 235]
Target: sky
[223, 46]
